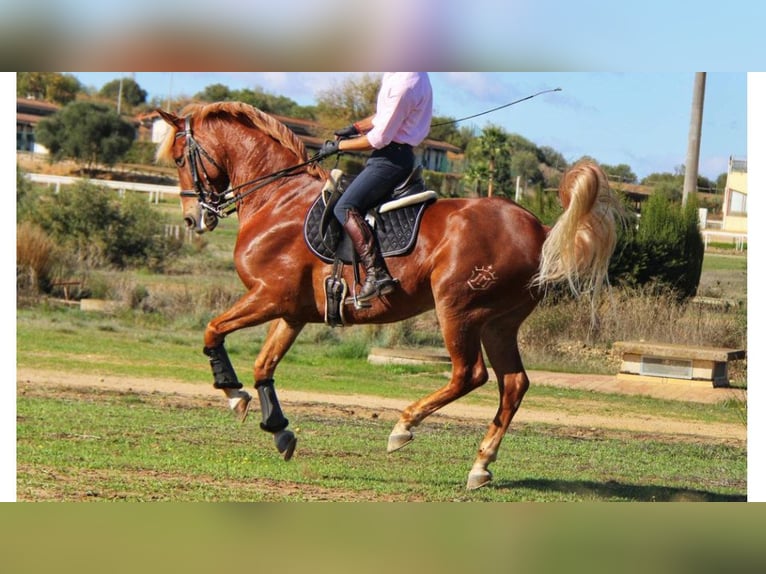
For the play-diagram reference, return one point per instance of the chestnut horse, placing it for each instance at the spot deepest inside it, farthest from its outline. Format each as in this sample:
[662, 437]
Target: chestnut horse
[482, 264]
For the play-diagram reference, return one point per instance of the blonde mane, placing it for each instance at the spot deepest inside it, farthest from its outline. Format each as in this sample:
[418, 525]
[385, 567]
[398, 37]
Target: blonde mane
[249, 116]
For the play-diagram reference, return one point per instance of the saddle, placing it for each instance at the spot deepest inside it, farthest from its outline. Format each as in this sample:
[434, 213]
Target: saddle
[395, 224]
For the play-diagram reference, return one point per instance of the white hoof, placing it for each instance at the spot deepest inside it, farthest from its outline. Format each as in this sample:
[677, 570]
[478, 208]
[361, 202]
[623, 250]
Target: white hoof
[478, 478]
[239, 403]
[397, 440]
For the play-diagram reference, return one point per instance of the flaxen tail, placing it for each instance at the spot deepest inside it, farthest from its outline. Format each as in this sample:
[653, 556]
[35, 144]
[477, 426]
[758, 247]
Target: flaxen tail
[581, 243]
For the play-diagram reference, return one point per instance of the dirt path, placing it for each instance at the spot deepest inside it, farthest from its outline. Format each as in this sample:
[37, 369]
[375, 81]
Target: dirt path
[391, 407]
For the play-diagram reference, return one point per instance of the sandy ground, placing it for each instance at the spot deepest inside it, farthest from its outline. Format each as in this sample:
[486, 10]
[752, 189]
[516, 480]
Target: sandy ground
[389, 408]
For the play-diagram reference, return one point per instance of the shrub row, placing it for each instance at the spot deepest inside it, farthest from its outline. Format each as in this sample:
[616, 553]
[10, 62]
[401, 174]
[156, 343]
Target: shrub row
[665, 248]
[84, 226]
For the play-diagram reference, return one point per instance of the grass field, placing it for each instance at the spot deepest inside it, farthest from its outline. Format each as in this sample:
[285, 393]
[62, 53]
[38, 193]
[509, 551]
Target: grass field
[85, 444]
[126, 446]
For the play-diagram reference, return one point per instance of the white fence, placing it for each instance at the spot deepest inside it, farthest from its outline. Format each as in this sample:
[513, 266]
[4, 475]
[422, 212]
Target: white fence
[738, 239]
[153, 190]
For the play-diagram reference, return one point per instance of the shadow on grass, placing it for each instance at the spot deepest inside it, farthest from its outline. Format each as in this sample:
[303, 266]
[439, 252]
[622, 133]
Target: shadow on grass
[616, 490]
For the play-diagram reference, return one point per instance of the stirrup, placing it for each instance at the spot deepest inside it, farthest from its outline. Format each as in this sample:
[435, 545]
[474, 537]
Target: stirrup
[380, 287]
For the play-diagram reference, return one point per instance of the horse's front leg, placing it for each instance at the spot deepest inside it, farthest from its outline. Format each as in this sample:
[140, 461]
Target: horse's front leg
[244, 313]
[280, 338]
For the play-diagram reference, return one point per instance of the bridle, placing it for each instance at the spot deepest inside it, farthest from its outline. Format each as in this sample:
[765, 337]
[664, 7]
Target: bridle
[208, 198]
[216, 204]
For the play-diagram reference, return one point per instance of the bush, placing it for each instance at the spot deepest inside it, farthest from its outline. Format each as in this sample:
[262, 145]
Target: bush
[102, 229]
[35, 254]
[665, 249]
[41, 263]
[141, 153]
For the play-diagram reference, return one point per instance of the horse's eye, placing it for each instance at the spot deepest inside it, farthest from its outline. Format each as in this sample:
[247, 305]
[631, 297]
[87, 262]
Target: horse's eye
[180, 161]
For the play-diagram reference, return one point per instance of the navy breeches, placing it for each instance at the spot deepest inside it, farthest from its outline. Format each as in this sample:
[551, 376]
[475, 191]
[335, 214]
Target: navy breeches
[384, 170]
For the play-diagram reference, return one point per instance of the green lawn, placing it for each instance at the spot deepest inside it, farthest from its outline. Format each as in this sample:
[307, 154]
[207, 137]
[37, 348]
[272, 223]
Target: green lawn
[81, 444]
[125, 446]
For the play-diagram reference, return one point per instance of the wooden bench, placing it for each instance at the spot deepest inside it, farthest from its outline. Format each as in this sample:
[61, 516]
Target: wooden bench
[386, 356]
[671, 362]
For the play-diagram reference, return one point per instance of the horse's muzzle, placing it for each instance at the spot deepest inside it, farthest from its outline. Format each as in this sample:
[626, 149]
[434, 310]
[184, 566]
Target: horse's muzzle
[201, 221]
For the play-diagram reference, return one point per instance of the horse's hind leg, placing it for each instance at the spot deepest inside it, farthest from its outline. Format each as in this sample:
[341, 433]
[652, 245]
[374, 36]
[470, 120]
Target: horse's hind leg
[468, 373]
[500, 343]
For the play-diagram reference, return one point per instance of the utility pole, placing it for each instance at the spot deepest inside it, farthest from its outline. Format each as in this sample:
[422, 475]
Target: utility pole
[119, 98]
[695, 135]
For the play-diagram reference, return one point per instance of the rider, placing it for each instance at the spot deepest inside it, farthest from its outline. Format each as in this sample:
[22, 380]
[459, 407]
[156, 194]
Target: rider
[401, 122]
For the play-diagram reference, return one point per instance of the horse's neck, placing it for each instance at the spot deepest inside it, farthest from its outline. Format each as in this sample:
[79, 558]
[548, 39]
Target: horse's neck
[286, 196]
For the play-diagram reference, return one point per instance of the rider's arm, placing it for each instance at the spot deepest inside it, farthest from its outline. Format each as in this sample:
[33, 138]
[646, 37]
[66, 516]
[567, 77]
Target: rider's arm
[364, 125]
[355, 144]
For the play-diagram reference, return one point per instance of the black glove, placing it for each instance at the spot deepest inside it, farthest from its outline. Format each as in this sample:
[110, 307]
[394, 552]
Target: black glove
[348, 131]
[329, 148]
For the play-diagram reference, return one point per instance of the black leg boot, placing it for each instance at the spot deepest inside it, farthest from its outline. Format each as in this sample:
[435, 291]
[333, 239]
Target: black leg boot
[378, 281]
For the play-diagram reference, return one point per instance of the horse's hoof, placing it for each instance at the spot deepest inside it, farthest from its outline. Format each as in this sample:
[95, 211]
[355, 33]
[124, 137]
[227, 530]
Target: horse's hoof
[242, 408]
[478, 478]
[285, 441]
[240, 405]
[399, 440]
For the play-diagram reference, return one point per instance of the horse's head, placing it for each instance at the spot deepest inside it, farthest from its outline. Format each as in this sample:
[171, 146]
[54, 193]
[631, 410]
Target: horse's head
[202, 177]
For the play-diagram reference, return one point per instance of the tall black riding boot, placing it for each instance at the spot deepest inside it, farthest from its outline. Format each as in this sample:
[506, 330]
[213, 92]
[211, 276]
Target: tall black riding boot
[378, 281]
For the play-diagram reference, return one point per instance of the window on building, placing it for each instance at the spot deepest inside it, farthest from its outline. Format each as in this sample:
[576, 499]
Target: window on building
[737, 203]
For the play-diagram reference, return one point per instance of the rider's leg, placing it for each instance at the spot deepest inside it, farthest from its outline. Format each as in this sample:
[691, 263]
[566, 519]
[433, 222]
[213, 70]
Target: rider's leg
[383, 171]
[378, 280]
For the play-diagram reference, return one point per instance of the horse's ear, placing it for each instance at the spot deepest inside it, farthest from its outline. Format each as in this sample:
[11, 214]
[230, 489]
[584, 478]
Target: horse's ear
[172, 119]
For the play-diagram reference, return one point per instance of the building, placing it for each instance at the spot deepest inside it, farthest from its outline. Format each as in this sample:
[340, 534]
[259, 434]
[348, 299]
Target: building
[735, 197]
[28, 115]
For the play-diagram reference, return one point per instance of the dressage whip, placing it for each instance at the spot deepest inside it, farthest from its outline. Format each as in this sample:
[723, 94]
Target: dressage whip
[224, 210]
[497, 108]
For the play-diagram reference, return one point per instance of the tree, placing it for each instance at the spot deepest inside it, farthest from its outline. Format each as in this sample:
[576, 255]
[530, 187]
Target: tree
[48, 86]
[551, 157]
[132, 94]
[668, 184]
[621, 173]
[353, 99]
[490, 154]
[273, 103]
[720, 182]
[215, 93]
[258, 98]
[86, 132]
[526, 165]
[445, 129]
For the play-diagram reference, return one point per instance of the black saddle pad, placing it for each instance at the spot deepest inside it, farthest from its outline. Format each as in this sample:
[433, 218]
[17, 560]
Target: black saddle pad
[396, 231]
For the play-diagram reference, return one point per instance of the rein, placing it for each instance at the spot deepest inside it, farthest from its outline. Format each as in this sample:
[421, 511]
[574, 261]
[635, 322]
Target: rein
[209, 199]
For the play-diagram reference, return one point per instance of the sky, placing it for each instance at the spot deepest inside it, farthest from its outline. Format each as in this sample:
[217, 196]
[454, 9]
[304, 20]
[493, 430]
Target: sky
[634, 118]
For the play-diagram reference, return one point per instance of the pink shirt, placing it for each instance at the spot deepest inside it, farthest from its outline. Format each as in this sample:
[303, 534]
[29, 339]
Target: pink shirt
[404, 109]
